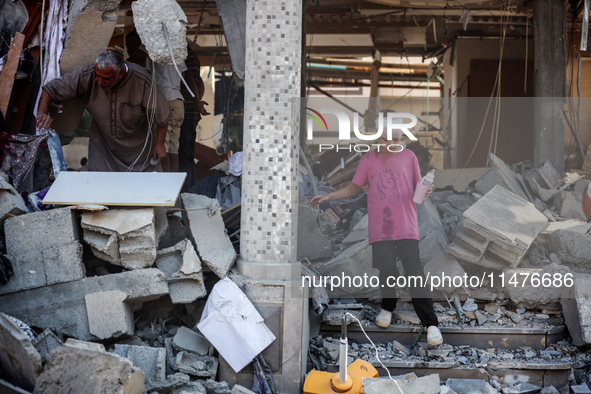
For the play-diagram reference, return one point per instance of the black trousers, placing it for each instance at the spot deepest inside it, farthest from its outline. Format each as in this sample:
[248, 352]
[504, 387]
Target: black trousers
[384, 259]
[187, 152]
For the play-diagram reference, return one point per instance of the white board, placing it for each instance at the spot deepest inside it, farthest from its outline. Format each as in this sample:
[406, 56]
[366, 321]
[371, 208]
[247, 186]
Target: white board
[116, 188]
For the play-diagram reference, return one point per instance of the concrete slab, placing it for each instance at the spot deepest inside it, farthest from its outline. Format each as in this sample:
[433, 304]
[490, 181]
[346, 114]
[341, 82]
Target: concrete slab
[151, 360]
[470, 386]
[572, 205]
[19, 360]
[459, 178]
[109, 373]
[425, 384]
[576, 308]
[108, 314]
[60, 223]
[124, 237]
[488, 181]
[312, 243]
[62, 307]
[195, 365]
[45, 343]
[209, 233]
[512, 181]
[182, 269]
[357, 234]
[191, 340]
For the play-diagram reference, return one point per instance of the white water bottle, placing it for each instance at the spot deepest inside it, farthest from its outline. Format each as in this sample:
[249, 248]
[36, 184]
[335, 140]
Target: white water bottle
[423, 187]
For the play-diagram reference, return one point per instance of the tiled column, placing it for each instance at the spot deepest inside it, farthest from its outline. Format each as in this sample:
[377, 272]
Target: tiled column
[271, 135]
[268, 232]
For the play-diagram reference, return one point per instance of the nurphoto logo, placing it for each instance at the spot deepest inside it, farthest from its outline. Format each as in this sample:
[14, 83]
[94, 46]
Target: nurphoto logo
[391, 121]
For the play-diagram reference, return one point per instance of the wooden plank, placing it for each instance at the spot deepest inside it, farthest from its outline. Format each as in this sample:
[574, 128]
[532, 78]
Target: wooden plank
[116, 188]
[9, 71]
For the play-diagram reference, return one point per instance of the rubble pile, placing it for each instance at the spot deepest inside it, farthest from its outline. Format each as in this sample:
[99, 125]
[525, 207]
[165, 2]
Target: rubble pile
[112, 294]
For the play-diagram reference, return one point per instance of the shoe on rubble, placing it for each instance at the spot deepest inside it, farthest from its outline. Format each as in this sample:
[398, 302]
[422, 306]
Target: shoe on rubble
[384, 318]
[434, 337]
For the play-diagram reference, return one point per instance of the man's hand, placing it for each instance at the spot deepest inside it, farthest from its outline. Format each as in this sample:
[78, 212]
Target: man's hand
[159, 153]
[315, 201]
[201, 107]
[44, 120]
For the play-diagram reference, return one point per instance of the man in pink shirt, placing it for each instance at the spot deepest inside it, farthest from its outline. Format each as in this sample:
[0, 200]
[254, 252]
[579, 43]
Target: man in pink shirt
[392, 175]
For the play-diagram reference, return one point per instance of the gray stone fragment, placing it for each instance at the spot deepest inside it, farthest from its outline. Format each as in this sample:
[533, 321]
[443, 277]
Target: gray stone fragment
[488, 181]
[11, 203]
[148, 17]
[312, 243]
[545, 181]
[42, 267]
[200, 366]
[151, 360]
[214, 387]
[461, 201]
[576, 308]
[238, 389]
[109, 316]
[400, 348]
[521, 388]
[580, 389]
[124, 237]
[481, 318]
[192, 388]
[526, 294]
[334, 315]
[570, 247]
[45, 343]
[62, 307]
[192, 341]
[171, 383]
[512, 181]
[102, 372]
[182, 269]
[357, 234]
[209, 233]
[60, 223]
[425, 384]
[572, 205]
[19, 360]
[470, 386]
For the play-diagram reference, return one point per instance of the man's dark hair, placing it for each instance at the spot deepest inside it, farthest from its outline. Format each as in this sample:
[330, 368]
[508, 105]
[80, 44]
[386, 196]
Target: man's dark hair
[133, 34]
[109, 58]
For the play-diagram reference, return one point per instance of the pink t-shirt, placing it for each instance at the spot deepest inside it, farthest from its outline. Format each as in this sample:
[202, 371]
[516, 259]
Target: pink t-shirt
[392, 179]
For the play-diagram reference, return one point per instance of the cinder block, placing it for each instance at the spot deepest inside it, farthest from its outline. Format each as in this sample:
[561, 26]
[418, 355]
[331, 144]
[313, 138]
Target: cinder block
[60, 223]
[200, 366]
[46, 343]
[38, 268]
[108, 314]
[182, 269]
[545, 181]
[151, 360]
[62, 307]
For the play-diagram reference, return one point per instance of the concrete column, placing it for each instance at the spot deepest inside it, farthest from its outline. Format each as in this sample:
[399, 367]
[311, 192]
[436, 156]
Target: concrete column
[269, 184]
[549, 81]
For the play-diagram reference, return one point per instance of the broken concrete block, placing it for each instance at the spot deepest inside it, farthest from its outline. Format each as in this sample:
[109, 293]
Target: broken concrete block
[580, 389]
[62, 307]
[312, 243]
[333, 315]
[488, 181]
[38, 268]
[60, 223]
[462, 386]
[215, 387]
[461, 202]
[545, 181]
[572, 205]
[124, 237]
[11, 203]
[172, 382]
[357, 234]
[151, 360]
[209, 233]
[190, 340]
[354, 261]
[428, 219]
[576, 308]
[182, 269]
[578, 226]
[521, 388]
[45, 343]
[148, 17]
[570, 247]
[238, 389]
[102, 372]
[193, 364]
[425, 384]
[511, 180]
[19, 361]
[525, 295]
[497, 230]
[108, 314]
